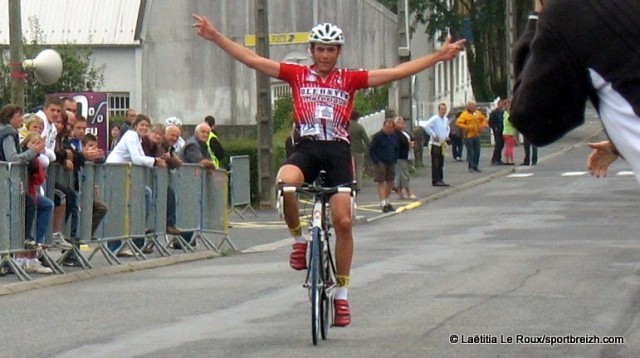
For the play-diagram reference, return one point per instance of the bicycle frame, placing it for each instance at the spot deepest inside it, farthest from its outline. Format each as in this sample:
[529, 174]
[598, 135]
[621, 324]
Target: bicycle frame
[321, 270]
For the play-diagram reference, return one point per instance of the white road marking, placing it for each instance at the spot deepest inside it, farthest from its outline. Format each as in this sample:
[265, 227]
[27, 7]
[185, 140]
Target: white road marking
[519, 175]
[573, 174]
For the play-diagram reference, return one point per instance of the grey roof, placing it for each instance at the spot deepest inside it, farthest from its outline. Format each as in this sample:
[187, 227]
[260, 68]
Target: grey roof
[96, 22]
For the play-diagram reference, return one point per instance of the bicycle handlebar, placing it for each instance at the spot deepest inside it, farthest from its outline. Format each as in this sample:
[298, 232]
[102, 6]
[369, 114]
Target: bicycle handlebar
[315, 190]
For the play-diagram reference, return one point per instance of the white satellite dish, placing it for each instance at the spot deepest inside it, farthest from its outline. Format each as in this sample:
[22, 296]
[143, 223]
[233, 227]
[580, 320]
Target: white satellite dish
[47, 66]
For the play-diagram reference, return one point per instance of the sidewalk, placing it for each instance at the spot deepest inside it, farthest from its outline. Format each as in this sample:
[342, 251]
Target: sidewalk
[268, 230]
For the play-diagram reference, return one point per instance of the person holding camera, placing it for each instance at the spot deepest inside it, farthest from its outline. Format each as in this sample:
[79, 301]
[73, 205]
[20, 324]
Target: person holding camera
[560, 64]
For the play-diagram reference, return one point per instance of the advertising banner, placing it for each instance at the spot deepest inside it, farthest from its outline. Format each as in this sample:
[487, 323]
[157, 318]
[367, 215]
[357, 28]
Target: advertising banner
[94, 107]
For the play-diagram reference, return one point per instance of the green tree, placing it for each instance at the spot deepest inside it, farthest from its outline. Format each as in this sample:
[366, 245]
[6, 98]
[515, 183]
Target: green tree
[79, 71]
[282, 113]
[371, 100]
[482, 22]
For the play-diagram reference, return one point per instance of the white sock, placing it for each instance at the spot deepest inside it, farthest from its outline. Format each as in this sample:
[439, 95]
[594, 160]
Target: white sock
[341, 293]
[300, 239]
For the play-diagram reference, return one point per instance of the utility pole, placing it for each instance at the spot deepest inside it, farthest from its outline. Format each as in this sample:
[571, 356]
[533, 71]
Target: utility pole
[16, 53]
[510, 27]
[263, 115]
[404, 55]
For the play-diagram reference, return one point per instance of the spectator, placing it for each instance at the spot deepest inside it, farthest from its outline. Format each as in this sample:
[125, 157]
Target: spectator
[115, 136]
[177, 122]
[129, 118]
[171, 135]
[496, 119]
[129, 150]
[155, 144]
[438, 129]
[77, 133]
[152, 141]
[472, 122]
[72, 145]
[384, 151]
[405, 147]
[70, 105]
[509, 135]
[196, 149]
[214, 146]
[456, 135]
[530, 153]
[10, 151]
[359, 146]
[31, 123]
[100, 209]
[419, 137]
[50, 114]
[87, 148]
[65, 199]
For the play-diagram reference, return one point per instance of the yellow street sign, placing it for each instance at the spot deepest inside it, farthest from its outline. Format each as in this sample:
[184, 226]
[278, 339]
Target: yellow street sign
[288, 38]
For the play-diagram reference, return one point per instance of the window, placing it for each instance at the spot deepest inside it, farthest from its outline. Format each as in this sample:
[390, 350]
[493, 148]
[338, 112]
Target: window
[118, 104]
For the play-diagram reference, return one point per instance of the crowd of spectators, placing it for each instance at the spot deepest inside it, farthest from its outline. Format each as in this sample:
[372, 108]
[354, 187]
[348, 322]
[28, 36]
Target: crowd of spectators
[58, 134]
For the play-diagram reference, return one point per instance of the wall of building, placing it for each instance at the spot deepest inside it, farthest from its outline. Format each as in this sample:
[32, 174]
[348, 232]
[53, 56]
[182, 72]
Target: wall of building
[121, 71]
[186, 76]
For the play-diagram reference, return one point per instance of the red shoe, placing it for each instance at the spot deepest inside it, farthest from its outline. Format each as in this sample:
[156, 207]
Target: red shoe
[342, 313]
[298, 257]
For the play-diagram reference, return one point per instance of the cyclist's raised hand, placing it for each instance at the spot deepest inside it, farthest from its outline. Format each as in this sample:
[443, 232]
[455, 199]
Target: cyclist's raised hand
[450, 50]
[204, 27]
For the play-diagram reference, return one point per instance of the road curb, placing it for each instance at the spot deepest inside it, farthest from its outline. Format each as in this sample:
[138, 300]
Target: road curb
[56, 280]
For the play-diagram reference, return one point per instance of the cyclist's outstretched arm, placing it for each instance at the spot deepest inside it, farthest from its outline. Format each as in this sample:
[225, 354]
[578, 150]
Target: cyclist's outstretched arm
[205, 29]
[448, 51]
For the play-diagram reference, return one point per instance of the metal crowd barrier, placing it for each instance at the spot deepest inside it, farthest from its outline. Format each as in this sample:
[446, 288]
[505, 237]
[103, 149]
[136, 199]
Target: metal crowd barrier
[13, 188]
[239, 170]
[201, 210]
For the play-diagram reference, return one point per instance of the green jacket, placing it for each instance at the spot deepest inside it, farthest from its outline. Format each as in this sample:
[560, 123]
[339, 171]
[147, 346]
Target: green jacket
[358, 137]
[508, 128]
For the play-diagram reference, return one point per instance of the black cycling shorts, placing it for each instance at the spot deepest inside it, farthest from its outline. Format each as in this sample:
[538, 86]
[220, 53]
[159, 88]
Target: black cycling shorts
[334, 157]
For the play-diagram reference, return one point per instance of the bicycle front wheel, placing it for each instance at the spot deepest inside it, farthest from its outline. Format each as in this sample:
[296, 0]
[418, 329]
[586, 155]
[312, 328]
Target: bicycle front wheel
[328, 283]
[315, 284]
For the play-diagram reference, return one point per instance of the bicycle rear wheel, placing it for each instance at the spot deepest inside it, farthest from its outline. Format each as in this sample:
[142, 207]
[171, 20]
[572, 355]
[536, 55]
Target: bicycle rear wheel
[315, 284]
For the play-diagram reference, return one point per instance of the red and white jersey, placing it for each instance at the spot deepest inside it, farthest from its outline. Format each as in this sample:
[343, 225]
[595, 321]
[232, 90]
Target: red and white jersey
[322, 107]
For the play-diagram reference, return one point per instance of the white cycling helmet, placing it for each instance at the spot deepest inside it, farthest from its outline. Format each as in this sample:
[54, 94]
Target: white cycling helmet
[173, 121]
[327, 34]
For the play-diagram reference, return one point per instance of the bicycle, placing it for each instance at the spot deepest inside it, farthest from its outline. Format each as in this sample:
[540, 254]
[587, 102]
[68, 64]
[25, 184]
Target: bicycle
[321, 270]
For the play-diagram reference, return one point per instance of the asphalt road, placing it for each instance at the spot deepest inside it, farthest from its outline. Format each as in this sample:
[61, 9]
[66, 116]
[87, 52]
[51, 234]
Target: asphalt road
[546, 253]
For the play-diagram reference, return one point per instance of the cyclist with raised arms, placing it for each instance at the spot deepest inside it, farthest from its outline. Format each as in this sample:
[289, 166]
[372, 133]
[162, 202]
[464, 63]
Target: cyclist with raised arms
[323, 97]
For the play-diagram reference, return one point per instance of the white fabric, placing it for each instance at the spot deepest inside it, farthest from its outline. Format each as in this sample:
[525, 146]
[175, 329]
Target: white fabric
[179, 146]
[437, 126]
[620, 121]
[129, 150]
[49, 131]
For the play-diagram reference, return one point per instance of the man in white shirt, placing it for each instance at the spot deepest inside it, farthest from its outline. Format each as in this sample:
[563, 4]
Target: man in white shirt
[50, 114]
[438, 129]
